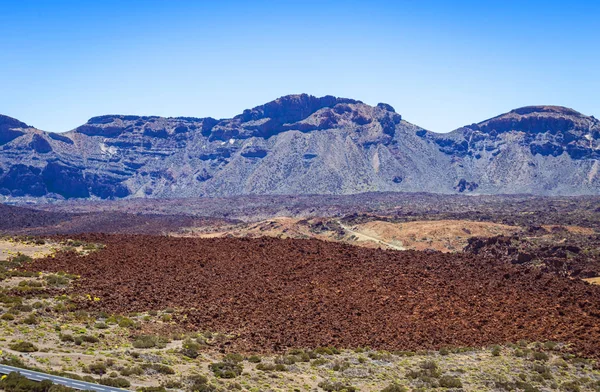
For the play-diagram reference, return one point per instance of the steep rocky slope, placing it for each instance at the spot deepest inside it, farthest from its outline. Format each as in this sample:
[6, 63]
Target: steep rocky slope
[535, 149]
[300, 144]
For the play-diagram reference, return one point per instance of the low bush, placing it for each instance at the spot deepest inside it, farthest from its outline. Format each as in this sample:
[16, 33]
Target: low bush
[190, 349]
[233, 358]
[30, 320]
[153, 368]
[31, 283]
[394, 388]
[24, 347]
[254, 359]
[150, 341]
[132, 371]
[327, 350]
[20, 259]
[540, 356]
[85, 338]
[98, 368]
[118, 382]
[152, 389]
[198, 383]
[57, 280]
[336, 386]
[226, 369]
[65, 337]
[271, 367]
[450, 382]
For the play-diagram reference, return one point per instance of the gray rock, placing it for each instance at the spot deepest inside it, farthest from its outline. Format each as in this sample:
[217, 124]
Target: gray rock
[300, 144]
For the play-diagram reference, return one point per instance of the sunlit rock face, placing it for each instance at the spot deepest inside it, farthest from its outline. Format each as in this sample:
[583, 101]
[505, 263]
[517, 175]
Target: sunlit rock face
[300, 144]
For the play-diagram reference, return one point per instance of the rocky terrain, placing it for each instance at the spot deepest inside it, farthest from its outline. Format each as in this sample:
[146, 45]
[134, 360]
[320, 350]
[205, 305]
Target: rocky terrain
[487, 293]
[300, 144]
[328, 294]
[49, 323]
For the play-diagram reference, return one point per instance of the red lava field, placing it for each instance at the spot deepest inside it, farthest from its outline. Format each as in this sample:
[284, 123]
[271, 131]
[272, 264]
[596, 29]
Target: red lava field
[274, 294]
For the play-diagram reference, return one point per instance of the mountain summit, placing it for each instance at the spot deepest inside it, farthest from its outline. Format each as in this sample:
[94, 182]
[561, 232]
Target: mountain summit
[301, 144]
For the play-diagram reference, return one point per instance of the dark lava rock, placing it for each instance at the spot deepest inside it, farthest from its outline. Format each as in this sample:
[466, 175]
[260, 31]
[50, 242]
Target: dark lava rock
[254, 152]
[7, 131]
[23, 180]
[60, 138]
[385, 106]
[39, 144]
[464, 185]
[64, 180]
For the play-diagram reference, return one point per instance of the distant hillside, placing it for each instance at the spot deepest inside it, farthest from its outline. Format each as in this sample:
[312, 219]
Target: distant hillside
[300, 144]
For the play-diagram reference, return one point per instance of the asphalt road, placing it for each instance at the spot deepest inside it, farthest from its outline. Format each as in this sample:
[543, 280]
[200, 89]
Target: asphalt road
[37, 376]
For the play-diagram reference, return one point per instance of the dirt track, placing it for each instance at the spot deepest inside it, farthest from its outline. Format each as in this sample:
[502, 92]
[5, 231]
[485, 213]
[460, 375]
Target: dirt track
[304, 293]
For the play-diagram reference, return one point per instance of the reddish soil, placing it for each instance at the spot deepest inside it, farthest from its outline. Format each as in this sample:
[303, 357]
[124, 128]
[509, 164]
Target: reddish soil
[277, 293]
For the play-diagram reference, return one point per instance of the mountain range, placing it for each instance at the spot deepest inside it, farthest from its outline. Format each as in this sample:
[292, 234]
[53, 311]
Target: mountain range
[301, 144]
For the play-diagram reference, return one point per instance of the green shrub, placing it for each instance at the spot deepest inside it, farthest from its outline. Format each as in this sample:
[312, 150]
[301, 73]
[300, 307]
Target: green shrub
[318, 362]
[132, 371]
[20, 258]
[340, 366]
[65, 337]
[233, 358]
[30, 283]
[198, 383]
[271, 367]
[226, 369]
[570, 386]
[190, 349]
[149, 341]
[30, 320]
[450, 382]
[336, 386]
[85, 338]
[158, 368]
[254, 359]
[327, 350]
[98, 368]
[21, 308]
[126, 323]
[540, 356]
[394, 388]
[115, 382]
[24, 347]
[496, 351]
[7, 316]
[172, 384]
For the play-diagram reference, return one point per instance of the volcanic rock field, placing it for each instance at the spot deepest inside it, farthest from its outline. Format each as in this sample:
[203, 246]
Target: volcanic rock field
[274, 294]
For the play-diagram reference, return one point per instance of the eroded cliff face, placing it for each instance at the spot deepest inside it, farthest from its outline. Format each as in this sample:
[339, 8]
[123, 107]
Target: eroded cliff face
[300, 144]
[535, 149]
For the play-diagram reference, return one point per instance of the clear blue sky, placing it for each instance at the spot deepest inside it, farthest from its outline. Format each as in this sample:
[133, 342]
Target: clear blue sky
[441, 64]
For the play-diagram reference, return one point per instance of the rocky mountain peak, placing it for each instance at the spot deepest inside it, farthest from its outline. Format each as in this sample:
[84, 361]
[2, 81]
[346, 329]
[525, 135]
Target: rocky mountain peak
[10, 129]
[291, 108]
[299, 144]
[550, 110]
[538, 119]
